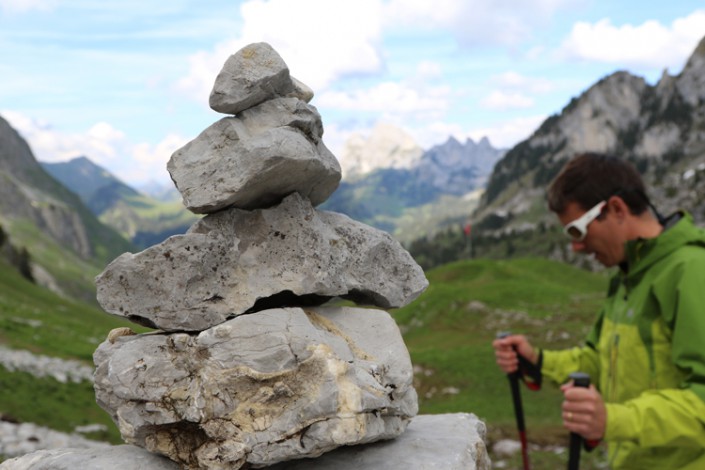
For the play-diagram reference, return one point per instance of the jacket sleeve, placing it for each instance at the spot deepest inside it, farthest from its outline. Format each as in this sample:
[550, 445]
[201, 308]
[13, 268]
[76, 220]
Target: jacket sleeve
[659, 418]
[557, 365]
[672, 417]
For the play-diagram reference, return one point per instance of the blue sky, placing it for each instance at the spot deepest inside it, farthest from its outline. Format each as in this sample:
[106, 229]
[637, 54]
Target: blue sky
[126, 82]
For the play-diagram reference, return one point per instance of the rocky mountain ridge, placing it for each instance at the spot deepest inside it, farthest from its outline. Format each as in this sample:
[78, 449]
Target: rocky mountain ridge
[660, 128]
[439, 181]
[390, 147]
[39, 214]
[139, 217]
[393, 176]
[96, 186]
[387, 146]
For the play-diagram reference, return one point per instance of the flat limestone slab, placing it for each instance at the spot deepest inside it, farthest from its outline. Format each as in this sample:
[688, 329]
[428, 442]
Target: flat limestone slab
[125, 456]
[444, 442]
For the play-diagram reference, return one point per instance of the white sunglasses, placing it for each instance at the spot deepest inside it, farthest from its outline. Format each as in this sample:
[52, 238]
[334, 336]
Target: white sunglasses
[577, 229]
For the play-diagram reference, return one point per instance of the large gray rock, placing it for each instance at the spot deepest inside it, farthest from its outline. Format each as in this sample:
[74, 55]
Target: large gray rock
[442, 442]
[254, 74]
[234, 261]
[108, 458]
[255, 159]
[261, 388]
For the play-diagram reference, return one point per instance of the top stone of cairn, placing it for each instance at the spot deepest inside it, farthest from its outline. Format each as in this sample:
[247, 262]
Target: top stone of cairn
[254, 74]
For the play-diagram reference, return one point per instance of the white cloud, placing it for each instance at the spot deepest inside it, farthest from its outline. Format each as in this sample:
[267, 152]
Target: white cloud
[648, 44]
[390, 98]
[48, 144]
[502, 101]
[152, 159]
[475, 22]
[429, 15]
[102, 144]
[429, 70]
[508, 133]
[319, 40]
[203, 68]
[515, 80]
[24, 6]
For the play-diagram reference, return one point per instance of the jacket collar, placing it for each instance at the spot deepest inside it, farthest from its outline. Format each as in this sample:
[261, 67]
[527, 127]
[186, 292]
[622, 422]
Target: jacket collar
[643, 252]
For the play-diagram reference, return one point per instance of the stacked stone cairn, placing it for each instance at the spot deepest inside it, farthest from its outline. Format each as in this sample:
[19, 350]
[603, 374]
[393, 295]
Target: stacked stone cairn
[250, 364]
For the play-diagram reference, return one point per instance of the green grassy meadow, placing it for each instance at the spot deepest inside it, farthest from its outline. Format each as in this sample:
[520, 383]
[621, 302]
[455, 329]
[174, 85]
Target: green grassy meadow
[35, 319]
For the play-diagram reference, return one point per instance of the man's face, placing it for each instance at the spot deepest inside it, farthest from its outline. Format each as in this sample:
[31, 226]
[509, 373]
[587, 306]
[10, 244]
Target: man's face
[604, 238]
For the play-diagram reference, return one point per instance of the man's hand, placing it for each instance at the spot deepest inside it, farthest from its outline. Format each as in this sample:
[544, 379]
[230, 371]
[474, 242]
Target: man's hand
[584, 411]
[505, 352]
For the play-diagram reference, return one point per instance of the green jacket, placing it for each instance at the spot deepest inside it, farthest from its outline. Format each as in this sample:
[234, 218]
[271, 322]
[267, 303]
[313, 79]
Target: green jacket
[646, 353]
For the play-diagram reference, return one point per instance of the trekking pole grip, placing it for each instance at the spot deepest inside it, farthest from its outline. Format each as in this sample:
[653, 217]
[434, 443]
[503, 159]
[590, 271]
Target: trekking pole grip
[580, 379]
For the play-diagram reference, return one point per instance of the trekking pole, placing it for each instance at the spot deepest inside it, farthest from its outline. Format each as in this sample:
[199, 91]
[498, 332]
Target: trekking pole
[580, 379]
[518, 409]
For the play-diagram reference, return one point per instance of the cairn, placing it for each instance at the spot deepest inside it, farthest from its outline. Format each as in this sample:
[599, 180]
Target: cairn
[251, 365]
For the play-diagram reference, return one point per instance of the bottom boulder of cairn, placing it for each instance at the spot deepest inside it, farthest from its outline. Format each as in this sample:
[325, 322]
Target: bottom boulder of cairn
[261, 388]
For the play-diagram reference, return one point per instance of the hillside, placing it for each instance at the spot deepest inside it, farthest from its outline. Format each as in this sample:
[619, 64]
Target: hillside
[66, 244]
[660, 128]
[136, 216]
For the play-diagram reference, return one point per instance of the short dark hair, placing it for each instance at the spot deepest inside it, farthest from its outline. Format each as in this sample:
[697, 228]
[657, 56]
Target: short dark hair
[590, 177]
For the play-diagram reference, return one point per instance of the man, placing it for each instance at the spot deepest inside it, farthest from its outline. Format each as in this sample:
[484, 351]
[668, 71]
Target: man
[646, 351]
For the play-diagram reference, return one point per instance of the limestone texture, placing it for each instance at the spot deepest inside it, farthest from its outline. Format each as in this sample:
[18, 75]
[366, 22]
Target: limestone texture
[257, 158]
[254, 74]
[261, 388]
[108, 458]
[237, 261]
[431, 442]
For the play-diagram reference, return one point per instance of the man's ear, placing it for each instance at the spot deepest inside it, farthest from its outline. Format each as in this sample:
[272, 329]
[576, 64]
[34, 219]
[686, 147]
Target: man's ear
[617, 205]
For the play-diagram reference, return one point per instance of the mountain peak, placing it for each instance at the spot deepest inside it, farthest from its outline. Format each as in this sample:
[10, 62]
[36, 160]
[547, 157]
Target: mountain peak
[691, 81]
[453, 141]
[387, 146]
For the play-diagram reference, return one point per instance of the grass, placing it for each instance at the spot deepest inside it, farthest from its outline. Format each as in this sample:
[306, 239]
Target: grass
[67, 328]
[56, 405]
[37, 320]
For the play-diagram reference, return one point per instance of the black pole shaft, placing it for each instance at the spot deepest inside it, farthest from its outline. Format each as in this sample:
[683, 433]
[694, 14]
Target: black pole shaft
[518, 410]
[580, 379]
[519, 414]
